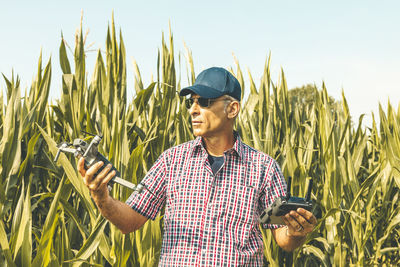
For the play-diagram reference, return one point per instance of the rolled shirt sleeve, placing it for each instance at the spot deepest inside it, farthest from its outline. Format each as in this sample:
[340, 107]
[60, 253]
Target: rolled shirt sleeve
[151, 199]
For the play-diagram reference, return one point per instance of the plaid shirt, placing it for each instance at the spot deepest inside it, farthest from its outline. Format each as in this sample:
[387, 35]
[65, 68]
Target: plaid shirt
[210, 220]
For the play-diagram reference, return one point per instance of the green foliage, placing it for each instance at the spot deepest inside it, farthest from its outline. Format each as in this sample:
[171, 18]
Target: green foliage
[47, 217]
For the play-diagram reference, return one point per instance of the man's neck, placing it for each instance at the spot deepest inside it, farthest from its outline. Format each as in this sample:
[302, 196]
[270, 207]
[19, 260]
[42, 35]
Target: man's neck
[217, 145]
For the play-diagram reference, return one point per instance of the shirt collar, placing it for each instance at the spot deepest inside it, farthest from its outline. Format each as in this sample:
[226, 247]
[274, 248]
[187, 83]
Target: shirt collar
[237, 146]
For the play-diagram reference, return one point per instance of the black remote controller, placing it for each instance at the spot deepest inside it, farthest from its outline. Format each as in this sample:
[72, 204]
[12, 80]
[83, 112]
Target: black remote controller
[283, 205]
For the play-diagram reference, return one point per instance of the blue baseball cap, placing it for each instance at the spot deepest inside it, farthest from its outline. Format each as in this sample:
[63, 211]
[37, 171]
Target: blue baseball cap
[214, 82]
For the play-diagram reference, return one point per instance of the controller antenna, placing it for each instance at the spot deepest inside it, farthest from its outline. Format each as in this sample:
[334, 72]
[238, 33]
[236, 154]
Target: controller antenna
[308, 195]
[289, 183]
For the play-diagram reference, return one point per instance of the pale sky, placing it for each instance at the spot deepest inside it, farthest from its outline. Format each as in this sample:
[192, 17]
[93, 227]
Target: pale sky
[350, 45]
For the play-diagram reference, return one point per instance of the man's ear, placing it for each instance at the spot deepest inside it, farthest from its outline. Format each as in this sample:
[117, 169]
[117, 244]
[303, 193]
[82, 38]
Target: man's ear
[233, 109]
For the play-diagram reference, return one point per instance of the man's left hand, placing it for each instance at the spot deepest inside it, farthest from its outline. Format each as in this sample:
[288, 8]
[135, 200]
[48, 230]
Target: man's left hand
[300, 222]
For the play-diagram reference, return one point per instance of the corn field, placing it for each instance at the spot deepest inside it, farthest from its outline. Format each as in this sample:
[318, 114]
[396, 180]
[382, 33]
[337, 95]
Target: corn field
[47, 217]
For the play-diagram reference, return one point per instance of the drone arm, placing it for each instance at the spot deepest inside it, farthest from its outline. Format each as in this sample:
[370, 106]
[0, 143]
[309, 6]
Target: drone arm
[65, 150]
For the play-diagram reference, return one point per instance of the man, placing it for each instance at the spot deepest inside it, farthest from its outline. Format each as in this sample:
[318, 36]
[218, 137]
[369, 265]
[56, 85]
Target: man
[213, 188]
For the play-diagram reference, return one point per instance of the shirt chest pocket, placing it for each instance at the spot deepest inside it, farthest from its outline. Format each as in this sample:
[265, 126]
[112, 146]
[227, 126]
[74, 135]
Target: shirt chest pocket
[241, 213]
[242, 203]
[242, 195]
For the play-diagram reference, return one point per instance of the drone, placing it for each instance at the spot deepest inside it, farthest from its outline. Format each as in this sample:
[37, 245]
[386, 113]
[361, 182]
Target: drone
[89, 151]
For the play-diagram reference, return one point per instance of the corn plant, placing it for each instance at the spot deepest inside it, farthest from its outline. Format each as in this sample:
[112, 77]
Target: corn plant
[47, 217]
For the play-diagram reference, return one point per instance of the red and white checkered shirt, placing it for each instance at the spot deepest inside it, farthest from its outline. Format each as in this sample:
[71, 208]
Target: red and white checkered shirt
[210, 220]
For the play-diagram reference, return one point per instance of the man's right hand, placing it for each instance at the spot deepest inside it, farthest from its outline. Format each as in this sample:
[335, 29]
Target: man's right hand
[117, 212]
[98, 184]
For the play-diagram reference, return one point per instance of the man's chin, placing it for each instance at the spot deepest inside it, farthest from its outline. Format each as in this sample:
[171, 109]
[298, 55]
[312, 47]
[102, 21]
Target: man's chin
[197, 133]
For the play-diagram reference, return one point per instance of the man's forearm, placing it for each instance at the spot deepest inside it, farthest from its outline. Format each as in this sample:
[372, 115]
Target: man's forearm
[120, 214]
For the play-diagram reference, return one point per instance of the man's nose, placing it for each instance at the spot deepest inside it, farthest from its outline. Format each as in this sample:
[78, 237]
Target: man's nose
[195, 108]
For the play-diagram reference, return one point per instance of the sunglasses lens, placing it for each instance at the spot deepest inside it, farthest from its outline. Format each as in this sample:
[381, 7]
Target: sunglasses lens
[189, 102]
[203, 102]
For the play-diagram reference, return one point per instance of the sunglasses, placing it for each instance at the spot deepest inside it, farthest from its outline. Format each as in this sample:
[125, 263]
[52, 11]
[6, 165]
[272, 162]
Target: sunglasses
[203, 102]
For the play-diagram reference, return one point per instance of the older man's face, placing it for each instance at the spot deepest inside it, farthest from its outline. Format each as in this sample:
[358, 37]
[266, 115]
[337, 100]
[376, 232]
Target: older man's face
[209, 121]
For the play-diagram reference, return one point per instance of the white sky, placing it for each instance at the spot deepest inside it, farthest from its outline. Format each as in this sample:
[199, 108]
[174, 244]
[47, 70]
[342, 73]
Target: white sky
[350, 45]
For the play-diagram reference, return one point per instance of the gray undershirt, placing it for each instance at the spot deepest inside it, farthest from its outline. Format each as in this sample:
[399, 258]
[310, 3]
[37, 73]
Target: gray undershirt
[216, 163]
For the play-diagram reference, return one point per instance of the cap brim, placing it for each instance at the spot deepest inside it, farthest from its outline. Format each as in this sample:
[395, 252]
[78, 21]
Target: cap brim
[201, 90]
